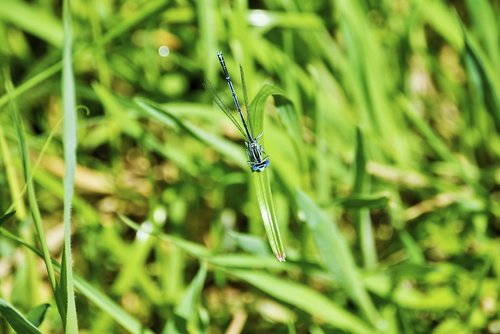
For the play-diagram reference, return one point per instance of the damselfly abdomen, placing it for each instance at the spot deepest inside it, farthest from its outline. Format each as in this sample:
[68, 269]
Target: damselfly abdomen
[257, 160]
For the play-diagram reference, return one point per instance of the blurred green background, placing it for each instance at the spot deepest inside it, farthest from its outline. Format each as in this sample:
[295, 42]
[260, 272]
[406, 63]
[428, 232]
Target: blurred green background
[384, 151]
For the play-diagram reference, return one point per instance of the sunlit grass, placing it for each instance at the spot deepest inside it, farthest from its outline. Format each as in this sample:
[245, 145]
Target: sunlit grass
[381, 121]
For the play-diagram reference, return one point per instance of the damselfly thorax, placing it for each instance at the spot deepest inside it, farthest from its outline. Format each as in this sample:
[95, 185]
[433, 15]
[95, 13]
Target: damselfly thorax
[257, 161]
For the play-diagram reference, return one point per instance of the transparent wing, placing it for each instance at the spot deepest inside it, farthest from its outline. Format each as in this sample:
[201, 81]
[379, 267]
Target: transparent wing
[218, 100]
[245, 98]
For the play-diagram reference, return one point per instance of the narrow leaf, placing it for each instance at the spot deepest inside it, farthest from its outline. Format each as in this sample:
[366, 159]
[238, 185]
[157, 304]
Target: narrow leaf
[65, 288]
[187, 308]
[37, 314]
[334, 250]
[305, 299]
[16, 320]
[6, 217]
[362, 215]
[266, 206]
[364, 201]
[33, 204]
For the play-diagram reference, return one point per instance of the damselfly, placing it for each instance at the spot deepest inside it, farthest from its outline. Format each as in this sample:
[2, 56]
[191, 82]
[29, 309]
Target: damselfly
[257, 160]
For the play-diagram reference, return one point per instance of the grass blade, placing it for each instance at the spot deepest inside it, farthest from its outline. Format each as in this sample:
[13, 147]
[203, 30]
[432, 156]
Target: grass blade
[266, 206]
[304, 298]
[16, 319]
[34, 19]
[364, 201]
[33, 204]
[487, 82]
[65, 288]
[336, 255]
[5, 217]
[187, 308]
[262, 185]
[258, 106]
[362, 215]
[37, 314]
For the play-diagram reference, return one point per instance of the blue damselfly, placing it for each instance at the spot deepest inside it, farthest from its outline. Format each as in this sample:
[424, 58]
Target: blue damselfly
[257, 160]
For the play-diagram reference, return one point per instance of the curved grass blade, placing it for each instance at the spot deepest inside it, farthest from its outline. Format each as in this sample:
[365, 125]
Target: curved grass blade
[258, 104]
[33, 204]
[263, 188]
[266, 206]
[16, 320]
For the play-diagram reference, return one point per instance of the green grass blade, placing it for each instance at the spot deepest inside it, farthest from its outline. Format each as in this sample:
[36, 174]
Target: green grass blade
[37, 314]
[31, 83]
[33, 19]
[5, 217]
[304, 298]
[266, 206]
[106, 304]
[16, 320]
[262, 185]
[487, 82]
[336, 254]
[33, 204]
[206, 19]
[12, 178]
[65, 288]
[362, 215]
[485, 26]
[188, 306]
[257, 106]
[369, 201]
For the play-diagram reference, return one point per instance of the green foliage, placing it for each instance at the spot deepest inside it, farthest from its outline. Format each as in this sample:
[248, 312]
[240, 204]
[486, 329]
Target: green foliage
[381, 121]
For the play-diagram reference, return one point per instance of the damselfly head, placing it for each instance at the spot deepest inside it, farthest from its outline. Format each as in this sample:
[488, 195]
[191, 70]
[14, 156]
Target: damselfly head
[259, 167]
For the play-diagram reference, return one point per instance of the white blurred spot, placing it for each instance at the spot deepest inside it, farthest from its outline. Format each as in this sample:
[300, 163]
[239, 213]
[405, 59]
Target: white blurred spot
[145, 231]
[160, 215]
[260, 18]
[164, 51]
